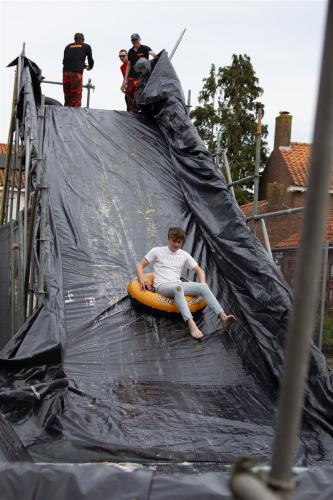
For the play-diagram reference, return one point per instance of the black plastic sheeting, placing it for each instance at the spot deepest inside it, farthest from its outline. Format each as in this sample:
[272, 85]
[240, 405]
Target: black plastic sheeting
[91, 378]
[108, 482]
[11, 447]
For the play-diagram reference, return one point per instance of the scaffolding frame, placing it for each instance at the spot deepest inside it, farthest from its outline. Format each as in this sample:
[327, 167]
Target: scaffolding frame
[22, 164]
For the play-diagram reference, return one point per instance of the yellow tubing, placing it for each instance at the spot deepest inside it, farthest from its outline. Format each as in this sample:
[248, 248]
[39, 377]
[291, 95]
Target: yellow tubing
[158, 302]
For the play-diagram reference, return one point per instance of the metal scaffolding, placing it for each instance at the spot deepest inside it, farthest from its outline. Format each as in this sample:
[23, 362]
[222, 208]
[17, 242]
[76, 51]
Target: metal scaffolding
[20, 172]
[89, 86]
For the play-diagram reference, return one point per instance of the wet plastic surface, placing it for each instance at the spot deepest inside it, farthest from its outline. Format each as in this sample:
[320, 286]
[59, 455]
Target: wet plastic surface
[91, 378]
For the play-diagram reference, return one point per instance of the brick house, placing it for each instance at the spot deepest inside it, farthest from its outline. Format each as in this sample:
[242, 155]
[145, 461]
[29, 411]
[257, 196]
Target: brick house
[283, 185]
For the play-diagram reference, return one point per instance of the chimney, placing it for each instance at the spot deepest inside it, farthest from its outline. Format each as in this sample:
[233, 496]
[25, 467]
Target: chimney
[283, 130]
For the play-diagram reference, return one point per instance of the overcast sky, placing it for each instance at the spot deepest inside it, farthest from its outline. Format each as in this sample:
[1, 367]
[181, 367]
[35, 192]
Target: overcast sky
[283, 39]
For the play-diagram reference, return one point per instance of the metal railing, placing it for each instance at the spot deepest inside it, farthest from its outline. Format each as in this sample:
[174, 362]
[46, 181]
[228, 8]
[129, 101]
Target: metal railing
[89, 86]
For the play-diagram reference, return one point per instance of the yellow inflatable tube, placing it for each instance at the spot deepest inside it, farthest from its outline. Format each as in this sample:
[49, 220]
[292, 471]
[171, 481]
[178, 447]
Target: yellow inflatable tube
[155, 303]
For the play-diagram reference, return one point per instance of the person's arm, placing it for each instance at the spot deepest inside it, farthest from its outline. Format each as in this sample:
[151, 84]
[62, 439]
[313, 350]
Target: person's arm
[124, 85]
[139, 272]
[63, 61]
[152, 53]
[201, 273]
[90, 64]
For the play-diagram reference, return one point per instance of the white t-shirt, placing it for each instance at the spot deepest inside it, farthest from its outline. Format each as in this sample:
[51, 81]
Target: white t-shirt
[168, 265]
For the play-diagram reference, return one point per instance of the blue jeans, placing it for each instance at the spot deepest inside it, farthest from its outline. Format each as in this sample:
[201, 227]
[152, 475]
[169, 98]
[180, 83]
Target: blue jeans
[179, 290]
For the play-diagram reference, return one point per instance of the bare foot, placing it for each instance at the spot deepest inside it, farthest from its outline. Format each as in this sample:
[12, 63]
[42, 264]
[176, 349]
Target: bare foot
[228, 321]
[196, 333]
[194, 330]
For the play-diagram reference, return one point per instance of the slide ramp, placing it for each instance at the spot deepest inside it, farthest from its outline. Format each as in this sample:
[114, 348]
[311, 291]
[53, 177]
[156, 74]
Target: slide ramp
[116, 383]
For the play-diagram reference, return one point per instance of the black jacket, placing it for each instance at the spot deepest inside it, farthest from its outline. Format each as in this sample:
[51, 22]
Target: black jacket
[75, 56]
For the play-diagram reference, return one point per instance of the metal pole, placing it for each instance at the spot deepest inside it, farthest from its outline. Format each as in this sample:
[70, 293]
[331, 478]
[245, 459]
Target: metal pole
[86, 86]
[256, 171]
[13, 171]
[243, 180]
[266, 238]
[30, 288]
[26, 198]
[19, 187]
[227, 169]
[3, 214]
[42, 239]
[188, 105]
[12, 277]
[248, 487]
[16, 255]
[20, 284]
[41, 184]
[88, 93]
[30, 262]
[17, 133]
[268, 215]
[307, 271]
[218, 148]
[323, 295]
[53, 82]
[176, 44]
[41, 116]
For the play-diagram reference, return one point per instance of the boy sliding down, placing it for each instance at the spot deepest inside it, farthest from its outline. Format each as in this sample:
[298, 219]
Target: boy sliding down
[168, 263]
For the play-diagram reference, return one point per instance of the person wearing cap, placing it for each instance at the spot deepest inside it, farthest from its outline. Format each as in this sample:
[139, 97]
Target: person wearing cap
[124, 59]
[131, 81]
[74, 62]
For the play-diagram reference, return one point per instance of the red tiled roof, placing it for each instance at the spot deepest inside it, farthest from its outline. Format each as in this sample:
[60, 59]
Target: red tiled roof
[3, 149]
[296, 160]
[248, 207]
[294, 239]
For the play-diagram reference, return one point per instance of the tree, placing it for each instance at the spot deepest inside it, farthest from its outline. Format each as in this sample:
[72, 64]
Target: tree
[229, 102]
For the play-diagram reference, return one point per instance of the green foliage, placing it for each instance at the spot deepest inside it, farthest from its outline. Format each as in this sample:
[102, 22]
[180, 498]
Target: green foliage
[327, 329]
[229, 102]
